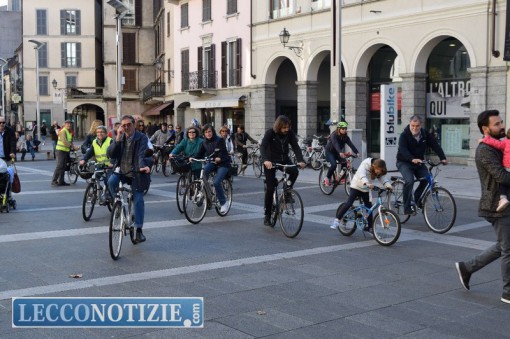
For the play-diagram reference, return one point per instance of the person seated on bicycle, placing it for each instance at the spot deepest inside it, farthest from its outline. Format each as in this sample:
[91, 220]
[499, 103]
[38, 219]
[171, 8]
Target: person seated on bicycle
[335, 150]
[161, 136]
[274, 148]
[412, 145]
[189, 147]
[221, 163]
[241, 137]
[132, 166]
[371, 172]
[224, 133]
[98, 150]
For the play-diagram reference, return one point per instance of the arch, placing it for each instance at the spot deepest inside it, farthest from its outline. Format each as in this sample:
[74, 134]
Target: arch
[362, 60]
[272, 66]
[421, 56]
[184, 104]
[315, 61]
[72, 105]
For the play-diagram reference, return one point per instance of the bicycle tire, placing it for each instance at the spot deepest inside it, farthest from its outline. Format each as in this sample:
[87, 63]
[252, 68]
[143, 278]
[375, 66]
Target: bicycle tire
[116, 232]
[439, 210]
[227, 189]
[347, 225]
[154, 164]
[195, 202]
[328, 190]
[347, 182]
[89, 201]
[257, 166]
[386, 227]
[395, 202]
[180, 190]
[166, 167]
[275, 210]
[72, 174]
[130, 223]
[315, 162]
[291, 213]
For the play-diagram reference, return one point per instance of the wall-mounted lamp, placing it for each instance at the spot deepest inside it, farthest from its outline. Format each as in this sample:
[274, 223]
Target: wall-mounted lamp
[159, 66]
[54, 83]
[284, 39]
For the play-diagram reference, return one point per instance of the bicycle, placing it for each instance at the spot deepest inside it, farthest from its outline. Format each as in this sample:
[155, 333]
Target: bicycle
[96, 190]
[181, 165]
[386, 225]
[255, 160]
[288, 206]
[71, 168]
[437, 203]
[200, 195]
[346, 172]
[122, 219]
[160, 157]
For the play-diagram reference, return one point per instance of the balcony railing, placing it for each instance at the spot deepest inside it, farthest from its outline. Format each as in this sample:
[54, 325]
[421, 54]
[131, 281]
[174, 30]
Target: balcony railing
[200, 80]
[84, 92]
[154, 89]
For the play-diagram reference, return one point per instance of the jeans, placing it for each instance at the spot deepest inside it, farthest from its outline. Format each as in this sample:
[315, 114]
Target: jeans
[138, 203]
[271, 183]
[353, 195]
[221, 172]
[501, 249]
[332, 157]
[54, 143]
[409, 171]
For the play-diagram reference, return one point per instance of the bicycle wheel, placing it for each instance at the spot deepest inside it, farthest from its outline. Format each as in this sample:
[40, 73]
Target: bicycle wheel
[395, 201]
[347, 182]
[89, 201]
[180, 190]
[130, 223]
[439, 210]
[291, 213]
[347, 225]
[154, 164]
[195, 202]
[116, 230]
[328, 190]
[227, 189]
[315, 161]
[72, 174]
[386, 227]
[257, 166]
[166, 167]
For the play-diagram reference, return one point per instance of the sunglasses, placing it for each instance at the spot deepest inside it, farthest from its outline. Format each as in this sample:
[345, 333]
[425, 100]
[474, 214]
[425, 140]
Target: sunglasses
[192, 132]
[2, 122]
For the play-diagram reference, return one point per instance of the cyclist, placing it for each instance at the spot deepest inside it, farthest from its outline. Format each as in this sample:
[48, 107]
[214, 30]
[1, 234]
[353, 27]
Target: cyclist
[221, 163]
[335, 150]
[241, 137]
[412, 145]
[161, 135]
[189, 147]
[275, 148]
[132, 166]
[370, 173]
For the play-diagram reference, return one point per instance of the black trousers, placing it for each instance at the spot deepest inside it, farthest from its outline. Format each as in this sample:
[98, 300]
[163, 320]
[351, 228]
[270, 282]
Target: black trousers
[353, 196]
[271, 183]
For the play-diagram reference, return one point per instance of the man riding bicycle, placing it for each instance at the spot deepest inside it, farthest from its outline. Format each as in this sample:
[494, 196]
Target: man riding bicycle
[412, 145]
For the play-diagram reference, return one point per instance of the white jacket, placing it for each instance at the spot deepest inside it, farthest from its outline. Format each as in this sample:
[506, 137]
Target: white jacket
[361, 179]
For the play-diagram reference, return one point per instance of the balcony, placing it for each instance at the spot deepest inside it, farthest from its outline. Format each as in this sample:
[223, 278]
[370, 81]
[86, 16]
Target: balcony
[200, 81]
[84, 93]
[154, 92]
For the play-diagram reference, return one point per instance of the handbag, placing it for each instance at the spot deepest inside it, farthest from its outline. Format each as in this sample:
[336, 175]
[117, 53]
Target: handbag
[16, 184]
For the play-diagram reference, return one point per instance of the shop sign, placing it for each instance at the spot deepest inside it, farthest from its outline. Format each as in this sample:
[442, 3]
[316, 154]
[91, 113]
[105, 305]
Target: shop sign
[448, 99]
[389, 119]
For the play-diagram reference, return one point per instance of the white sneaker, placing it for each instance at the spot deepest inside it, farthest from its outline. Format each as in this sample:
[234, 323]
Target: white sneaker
[224, 208]
[334, 225]
[503, 203]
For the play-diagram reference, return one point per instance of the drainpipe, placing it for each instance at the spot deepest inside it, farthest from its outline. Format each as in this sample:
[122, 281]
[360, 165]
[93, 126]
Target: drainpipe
[495, 53]
[251, 40]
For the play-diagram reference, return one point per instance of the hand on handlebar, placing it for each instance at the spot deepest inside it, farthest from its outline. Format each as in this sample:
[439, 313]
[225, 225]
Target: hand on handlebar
[145, 169]
[268, 164]
[444, 162]
[301, 164]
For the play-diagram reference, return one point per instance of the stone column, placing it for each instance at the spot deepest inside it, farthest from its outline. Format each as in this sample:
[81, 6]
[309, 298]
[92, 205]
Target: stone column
[478, 103]
[307, 107]
[414, 96]
[356, 104]
[260, 109]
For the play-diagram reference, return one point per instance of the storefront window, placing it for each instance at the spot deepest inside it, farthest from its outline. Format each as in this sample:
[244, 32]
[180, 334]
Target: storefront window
[208, 116]
[233, 118]
[448, 96]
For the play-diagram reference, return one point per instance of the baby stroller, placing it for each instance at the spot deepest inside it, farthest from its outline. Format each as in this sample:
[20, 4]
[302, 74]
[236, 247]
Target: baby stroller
[6, 201]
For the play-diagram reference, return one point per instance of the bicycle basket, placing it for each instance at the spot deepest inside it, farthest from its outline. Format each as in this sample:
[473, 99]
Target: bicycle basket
[233, 170]
[180, 165]
[85, 172]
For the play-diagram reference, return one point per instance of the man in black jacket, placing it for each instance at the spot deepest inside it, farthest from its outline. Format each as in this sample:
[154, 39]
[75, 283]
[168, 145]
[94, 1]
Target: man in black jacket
[7, 140]
[412, 145]
[275, 148]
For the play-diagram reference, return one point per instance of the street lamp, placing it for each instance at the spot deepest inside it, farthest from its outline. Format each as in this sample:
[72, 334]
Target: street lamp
[284, 39]
[37, 47]
[121, 10]
[63, 93]
[3, 89]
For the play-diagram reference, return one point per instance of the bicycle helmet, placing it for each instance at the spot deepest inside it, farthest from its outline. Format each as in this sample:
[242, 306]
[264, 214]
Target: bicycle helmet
[342, 124]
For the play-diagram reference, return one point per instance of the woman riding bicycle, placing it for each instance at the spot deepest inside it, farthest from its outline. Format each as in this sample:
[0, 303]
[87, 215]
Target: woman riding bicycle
[335, 149]
[189, 147]
[215, 145]
[370, 173]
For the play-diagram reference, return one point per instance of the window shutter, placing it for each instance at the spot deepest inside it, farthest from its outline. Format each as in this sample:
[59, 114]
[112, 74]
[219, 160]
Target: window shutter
[212, 70]
[62, 22]
[223, 64]
[129, 48]
[239, 62]
[78, 22]
[200, 59]
[78, 54]
[63, 55]
[168, 24]
[138, 12]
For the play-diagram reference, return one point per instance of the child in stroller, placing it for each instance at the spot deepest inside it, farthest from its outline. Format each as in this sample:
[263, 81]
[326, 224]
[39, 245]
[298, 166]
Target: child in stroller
[6, 179]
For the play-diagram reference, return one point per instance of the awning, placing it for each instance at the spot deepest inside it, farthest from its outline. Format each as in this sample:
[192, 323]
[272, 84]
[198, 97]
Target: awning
[217, 102]
[156, 110]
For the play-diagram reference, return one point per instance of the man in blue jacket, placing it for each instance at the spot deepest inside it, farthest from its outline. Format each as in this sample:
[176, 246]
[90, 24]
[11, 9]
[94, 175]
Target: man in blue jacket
[412, 145]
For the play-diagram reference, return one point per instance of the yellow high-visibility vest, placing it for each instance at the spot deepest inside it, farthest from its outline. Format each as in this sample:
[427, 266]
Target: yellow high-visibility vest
[100, 151]
[60, 145]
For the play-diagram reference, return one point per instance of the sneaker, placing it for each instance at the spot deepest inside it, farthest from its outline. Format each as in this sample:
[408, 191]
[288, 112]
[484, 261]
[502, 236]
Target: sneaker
[267, 220]
[464, 275]
[288, 198]
[139, 236]
[505, 298]
[326, 182]
[334, 225]
[224, 208]
[503, 203]
[368, 229]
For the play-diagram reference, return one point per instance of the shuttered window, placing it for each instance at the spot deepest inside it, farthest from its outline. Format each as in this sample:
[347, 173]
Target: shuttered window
[42, 23]
[43, 85]
[231, 6]
[185, 69]
[43, 56]
[130, 80]
[206, 10]
[70, 22]
[128, 48]
[70, 54]
[184, 16]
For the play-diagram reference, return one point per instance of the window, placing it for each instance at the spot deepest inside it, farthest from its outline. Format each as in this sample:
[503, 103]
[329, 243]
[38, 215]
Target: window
[43, 85]
[206, 10]
[42, 24]
[185, 69]
[129, 48]
[168, 24]
[231, 6]
[71, 81]
[206, 69]
[130, 80]
[170, 72]
[70, 22]
[70, 54]
[16, 6]
[130, 18]
[184, 16]
[43, 56]
[231, 63]
[281, 8]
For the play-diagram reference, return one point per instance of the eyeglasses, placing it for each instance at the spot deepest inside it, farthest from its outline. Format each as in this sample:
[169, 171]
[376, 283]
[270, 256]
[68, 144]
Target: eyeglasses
[177, 128]
[192, 132]
[2, 122]
[126, 125]
[141, 125]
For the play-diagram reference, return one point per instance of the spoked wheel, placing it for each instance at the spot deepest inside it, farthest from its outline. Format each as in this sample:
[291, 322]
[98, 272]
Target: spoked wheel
[396, 201]
[180, 190]
[195, 203]
[166, 167]
[439, 210]
[315, 161]
[89, 201]
[116, 230]
[291, 213]
[257, 166]
[347, 225]
[154, 165]
[386, 227]
[227, 189]
[328, 190]
[72, 174]
[130, 224]
[348, 176]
